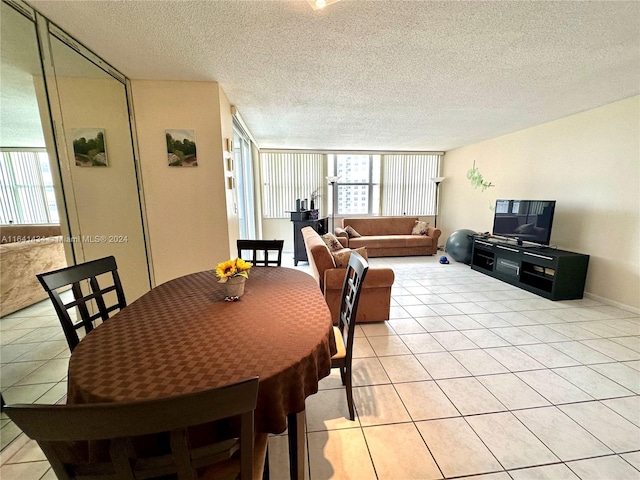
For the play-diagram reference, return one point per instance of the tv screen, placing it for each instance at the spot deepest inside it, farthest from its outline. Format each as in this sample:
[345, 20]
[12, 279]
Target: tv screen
[524, 220]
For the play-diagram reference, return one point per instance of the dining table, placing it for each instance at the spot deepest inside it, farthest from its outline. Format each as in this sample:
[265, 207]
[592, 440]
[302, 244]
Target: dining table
[182, 337]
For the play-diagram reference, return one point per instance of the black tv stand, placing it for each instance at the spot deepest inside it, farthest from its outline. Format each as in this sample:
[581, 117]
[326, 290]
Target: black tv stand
[549, 272]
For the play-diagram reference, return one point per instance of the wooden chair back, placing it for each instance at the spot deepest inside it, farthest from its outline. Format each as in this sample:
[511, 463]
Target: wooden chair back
[356, 272]
[120, 425]
[74, 276]
[265, 246]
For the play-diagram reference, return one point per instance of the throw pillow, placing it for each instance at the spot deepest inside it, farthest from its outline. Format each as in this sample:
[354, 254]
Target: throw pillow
[420, 228]
[352, 232]
[332, 242]
[342, 258]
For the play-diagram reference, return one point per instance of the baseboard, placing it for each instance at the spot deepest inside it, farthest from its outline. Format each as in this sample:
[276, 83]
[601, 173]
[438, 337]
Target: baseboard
[612, 303]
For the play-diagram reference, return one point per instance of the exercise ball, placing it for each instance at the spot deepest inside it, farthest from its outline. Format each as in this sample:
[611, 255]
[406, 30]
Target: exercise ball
[459, 245]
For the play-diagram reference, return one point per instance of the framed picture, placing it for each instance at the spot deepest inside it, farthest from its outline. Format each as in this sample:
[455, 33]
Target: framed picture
[89, 147]
[181, 148]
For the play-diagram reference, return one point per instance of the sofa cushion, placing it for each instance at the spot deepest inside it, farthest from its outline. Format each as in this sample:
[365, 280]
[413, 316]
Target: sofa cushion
[420, 228]
[342, 351]
[332, 242]
[391, 241]
[352, 232]
[341, 257]
[378, 241]
[418, 240]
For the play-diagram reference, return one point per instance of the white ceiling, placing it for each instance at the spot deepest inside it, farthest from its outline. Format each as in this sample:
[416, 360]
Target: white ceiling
[375, 75]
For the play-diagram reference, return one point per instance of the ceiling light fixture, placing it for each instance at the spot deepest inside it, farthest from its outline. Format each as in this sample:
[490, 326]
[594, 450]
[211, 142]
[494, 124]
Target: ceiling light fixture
[320, 4]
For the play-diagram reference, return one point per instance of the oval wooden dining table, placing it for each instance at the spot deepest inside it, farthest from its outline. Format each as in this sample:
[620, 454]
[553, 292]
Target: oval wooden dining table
[182, 337]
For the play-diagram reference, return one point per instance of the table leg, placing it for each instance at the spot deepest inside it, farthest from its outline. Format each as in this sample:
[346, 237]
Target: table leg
[297, 440]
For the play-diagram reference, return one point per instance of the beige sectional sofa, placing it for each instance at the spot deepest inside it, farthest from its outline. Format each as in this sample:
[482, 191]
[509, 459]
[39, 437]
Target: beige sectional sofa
[388, 236]
[375, 298]
[25, 251]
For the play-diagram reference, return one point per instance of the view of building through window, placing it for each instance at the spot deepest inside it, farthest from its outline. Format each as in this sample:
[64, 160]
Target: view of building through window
[358, 190]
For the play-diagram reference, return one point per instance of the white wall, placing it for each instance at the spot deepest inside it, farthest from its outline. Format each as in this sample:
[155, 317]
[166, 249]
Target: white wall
[590, 164]
[226, 125]
[102, 202]
[186, 207]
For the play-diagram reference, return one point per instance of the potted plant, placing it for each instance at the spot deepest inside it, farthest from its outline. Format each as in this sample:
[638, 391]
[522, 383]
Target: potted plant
[315, 195]
[234, 273]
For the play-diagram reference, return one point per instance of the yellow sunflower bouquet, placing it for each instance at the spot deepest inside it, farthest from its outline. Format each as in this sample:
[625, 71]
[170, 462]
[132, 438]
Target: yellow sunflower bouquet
[233, 268]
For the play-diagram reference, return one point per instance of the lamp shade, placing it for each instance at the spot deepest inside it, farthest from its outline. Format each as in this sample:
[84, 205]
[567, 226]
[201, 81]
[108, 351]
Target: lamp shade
[437, 180]
[333, 178]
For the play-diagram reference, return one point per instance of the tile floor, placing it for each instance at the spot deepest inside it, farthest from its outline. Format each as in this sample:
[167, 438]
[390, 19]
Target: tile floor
[470, 377]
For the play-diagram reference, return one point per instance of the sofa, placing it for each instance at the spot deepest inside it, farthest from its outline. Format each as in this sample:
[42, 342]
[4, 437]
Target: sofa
[388, 236]
[375, 297]
[26, 250]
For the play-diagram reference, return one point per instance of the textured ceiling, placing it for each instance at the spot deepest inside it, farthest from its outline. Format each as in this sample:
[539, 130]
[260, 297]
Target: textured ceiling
[365, 74]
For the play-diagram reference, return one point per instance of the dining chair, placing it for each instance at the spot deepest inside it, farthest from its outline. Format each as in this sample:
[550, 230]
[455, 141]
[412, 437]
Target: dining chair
[356, 272]
[56, 280]
[265, 246]
[64, 431]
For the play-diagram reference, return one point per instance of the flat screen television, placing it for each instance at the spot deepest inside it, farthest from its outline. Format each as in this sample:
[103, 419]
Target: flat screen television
[524, 220]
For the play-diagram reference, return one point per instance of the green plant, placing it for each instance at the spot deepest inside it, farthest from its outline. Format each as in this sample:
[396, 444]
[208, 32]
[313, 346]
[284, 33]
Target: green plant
[476, 179]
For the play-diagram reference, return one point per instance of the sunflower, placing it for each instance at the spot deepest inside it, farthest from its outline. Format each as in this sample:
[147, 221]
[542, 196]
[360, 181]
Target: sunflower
[243, 266]
[233, 268]
[225, 270]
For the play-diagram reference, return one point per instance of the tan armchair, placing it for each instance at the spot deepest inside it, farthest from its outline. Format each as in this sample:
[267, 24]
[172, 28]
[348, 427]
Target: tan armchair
[375, 299]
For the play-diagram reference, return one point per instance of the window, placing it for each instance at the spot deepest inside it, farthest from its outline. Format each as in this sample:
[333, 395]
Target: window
[287, 177]
[26, 184]
[407, 186]
[358, 188]
[368, 184]
[244, 181]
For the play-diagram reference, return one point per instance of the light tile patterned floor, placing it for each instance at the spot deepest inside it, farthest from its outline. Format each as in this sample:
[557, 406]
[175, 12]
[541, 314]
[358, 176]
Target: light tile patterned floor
[469, 377]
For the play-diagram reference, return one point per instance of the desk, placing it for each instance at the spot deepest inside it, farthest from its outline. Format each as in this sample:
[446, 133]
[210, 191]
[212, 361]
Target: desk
[183, 337]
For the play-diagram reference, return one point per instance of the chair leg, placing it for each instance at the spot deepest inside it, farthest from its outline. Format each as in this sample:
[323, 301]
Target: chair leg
[349, 393]
[343, 375]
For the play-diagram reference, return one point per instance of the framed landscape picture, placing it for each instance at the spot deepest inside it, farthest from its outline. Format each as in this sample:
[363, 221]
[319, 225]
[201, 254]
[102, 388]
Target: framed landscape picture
[181, 148]
[89, 147]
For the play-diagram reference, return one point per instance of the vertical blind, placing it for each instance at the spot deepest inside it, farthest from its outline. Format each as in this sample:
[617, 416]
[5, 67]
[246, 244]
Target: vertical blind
[407, 188]
[23, 188]
[287, 177]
